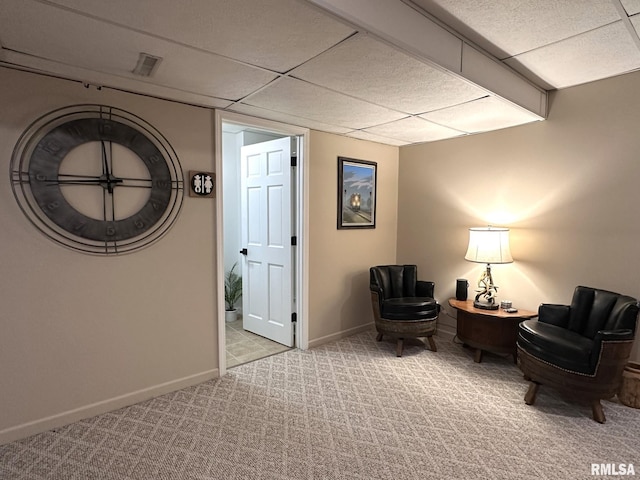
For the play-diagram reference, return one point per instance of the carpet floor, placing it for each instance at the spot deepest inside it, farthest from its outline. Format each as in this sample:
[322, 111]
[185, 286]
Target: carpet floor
[349, 409]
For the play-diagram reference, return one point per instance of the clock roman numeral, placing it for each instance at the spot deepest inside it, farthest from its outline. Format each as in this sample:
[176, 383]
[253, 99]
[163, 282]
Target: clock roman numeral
[74, 131]
[80, 227]
[50, 147]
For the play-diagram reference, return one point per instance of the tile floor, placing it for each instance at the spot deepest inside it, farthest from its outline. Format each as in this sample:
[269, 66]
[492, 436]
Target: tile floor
[243, 346]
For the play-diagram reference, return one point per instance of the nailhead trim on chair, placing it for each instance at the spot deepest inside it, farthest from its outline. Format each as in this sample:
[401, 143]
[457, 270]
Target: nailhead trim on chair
[573, 371]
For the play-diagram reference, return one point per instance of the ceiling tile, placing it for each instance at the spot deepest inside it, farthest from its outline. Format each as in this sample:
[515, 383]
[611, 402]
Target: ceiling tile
[482, 115]
[363, 135]
[632, 7]
[115, 51]
[517, 26]
[594, 55]
[290, 61]
[287, 118]
[373, 71]
[127, 84]
[635, 21]
[295, 97]
[413, 130]
[274, 34]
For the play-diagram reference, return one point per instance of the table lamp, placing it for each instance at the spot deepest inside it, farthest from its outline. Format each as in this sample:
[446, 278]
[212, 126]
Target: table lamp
[488, 245]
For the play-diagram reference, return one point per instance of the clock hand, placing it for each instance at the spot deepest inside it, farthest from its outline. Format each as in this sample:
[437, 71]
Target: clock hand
[107, 180]
[69, 175]
[95, 181]
[134, 179]
[99, 180]
[105, 163]
[110, 179]
[75, 181]
[63, 176]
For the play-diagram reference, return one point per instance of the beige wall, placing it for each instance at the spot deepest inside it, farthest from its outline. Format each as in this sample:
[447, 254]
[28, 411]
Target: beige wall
[77, 331]
[339, 301]
[81, 334]
[568, 188]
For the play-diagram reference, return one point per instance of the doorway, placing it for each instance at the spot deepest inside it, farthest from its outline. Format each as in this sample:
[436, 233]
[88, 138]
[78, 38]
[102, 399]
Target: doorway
[273, 272]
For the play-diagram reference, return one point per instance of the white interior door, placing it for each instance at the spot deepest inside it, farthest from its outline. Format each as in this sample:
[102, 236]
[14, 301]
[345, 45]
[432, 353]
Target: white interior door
[266, 235]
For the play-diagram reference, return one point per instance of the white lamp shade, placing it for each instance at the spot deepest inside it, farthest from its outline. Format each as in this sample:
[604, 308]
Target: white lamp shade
[489, 245]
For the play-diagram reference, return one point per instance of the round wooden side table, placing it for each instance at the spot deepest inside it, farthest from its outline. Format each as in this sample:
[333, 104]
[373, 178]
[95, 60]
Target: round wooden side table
[488, 330]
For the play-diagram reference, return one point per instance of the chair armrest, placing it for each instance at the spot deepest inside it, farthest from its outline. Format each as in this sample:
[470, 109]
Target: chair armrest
[553, 314]
[425, 289]
[614, 344]
[613, 335]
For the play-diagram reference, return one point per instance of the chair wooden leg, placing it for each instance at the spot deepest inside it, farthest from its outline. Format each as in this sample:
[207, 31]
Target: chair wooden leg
[399, 347]
[379, 337]
[432, 344]
[598, 413]
[530, 396]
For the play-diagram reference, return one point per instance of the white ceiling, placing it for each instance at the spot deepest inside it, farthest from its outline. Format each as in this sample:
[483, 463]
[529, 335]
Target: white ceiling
[392, 71]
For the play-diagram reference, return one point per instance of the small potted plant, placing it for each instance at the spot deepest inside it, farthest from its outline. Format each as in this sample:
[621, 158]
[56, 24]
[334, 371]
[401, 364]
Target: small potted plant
[232, 293]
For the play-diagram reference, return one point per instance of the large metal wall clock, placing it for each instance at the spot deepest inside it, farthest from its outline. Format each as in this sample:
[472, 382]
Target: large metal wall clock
[97, 179]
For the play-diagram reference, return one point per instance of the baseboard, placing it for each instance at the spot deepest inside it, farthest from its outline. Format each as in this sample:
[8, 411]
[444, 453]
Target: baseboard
[55, 421]
[442, 331]
[342, 334]
[446, 331]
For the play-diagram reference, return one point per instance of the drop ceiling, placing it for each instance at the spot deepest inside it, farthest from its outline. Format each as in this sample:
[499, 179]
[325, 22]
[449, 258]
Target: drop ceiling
[397, 72]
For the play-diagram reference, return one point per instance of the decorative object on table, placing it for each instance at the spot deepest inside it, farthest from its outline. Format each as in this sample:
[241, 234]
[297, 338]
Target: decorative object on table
[488, 245]
[356, 193]
[403, 306]
[581, 348]
[462, 284]
[97, 179]
[203, 184]
[232, 293]
[505, 304]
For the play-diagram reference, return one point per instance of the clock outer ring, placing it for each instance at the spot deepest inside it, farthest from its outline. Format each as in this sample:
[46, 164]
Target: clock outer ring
[45, 163]
[40, 152]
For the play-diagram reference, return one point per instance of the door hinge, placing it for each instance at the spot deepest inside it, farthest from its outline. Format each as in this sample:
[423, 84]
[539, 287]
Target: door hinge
[294, 241]
[294, 317]
[294, 161]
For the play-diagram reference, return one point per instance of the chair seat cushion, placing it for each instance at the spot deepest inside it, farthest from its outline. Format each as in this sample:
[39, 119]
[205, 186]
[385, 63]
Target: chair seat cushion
[409, 308]
[556, 345]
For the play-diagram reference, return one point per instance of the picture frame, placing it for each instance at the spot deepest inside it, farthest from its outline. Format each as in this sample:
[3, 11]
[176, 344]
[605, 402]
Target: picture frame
[357, 182]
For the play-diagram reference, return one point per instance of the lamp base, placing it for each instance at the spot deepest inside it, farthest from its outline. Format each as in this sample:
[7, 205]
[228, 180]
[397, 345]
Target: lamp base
[485, 306]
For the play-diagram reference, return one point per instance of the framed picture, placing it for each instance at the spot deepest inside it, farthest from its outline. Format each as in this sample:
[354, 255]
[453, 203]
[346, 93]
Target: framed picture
[356, 193]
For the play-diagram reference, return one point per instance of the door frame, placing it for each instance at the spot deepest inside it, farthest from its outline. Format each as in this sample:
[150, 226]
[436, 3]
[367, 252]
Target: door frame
[301, 269]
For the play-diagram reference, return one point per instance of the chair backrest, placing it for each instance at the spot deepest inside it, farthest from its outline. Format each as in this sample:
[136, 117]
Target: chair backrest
[593, 309]
[395, 280]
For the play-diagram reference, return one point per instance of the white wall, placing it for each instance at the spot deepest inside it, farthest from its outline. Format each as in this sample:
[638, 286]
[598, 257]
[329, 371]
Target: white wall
[83, 334]
[567, 188]
[231, 143]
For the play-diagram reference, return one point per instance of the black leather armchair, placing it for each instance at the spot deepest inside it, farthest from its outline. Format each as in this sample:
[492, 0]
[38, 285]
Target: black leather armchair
[580, 348]
[403, 306]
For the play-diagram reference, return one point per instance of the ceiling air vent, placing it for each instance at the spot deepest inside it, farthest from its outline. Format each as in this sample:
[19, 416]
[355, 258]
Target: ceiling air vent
[147, 65]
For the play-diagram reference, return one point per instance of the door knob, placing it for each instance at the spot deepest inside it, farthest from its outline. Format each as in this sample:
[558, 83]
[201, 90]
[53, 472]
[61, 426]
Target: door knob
[244, 251]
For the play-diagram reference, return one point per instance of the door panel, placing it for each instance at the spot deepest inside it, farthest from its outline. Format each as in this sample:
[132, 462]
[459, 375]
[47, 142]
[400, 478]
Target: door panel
[266, 233]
